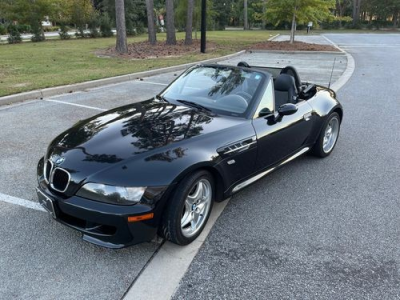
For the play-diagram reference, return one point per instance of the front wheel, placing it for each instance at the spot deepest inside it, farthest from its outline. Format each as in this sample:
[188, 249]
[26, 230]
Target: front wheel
[328, 136]
[188, 209]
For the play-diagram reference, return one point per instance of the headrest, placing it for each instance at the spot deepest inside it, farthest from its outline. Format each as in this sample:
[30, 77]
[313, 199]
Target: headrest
[284, 82]
[243, 64]
[290, 70]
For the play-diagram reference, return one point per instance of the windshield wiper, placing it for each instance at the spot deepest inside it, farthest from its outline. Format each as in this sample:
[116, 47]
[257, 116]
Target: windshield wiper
[193, 104]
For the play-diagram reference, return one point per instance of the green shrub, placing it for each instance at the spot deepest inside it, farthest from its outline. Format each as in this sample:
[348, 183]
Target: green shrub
[130, 28]
[24, 28]
[37, 31]
[140, 28]
[64, 32]
[301, 27]
[93, 25]
[106, 26]
[3, 29]
[80, 33]
[14, 36]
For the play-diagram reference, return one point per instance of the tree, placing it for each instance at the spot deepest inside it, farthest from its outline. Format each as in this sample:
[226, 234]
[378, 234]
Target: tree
[150, 22]
[121, 45]
[245, 16]
[340, 9]
[299, 11]
[264, 9]
[171, 36]
[31, 12]
[395, 6]
[135, 14]
[356, 11]
[80, 13]
[222, 11]
[189, 22]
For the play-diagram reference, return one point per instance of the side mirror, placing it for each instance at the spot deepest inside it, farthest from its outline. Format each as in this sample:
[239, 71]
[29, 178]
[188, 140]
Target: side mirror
[264, 112]
[287, 109]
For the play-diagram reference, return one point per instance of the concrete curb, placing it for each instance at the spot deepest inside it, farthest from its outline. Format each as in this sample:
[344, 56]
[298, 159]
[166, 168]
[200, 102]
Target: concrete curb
[296, 52]
[351, 65]
[49, 92]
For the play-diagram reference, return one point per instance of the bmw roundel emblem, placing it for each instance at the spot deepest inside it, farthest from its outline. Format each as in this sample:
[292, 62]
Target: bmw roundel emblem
[59, 160]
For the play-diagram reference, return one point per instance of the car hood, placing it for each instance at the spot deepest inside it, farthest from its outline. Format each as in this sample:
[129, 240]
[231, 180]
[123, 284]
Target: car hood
[130, 131]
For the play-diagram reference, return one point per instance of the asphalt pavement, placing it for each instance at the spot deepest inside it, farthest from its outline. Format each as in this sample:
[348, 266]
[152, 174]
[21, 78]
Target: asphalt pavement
[314, 229]
[320, 228]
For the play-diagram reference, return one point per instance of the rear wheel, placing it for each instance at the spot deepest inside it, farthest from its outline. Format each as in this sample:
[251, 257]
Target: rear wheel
[328, 137]
[188, 209]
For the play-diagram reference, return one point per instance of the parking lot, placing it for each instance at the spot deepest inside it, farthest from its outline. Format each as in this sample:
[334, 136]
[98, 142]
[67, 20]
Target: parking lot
[320, 229]
[314, 228]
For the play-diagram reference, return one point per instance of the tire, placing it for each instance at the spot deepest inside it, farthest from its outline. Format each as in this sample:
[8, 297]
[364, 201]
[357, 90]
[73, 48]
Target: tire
[323, 147]
[188, 209]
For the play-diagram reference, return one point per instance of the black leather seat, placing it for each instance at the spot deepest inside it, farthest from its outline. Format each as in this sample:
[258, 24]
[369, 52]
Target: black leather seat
[289, 70]
[285, 90]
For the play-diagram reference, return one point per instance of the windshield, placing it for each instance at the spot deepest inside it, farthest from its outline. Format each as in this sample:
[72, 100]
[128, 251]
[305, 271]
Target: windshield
[225, 90]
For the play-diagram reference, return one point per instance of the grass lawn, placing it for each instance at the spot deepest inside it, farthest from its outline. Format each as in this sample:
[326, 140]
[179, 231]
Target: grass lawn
[30, 66]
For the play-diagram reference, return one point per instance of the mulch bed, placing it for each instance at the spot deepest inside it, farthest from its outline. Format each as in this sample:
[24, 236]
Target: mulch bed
[296, 46]
[143, 50]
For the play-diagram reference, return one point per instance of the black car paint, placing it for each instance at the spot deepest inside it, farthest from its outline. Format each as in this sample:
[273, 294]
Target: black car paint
[156, 144]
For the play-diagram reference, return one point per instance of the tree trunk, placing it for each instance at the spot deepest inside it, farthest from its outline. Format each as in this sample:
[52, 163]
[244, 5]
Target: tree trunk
[171, 36]
[395, 19]
[292, 31]
[356, 11]
[122, 46]
[189, 22]
[150, 22]
[245, 19]
[264, 10]
[339, 8]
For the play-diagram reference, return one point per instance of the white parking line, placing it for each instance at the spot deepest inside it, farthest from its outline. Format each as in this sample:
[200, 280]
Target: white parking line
[169, 265]
[20, 202]
[150, 82]
[74, 104]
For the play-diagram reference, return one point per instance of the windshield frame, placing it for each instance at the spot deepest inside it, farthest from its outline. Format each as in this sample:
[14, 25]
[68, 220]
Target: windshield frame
[253, 103]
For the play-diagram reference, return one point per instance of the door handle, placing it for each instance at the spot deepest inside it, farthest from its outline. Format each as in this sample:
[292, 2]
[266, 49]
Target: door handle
[307, 116]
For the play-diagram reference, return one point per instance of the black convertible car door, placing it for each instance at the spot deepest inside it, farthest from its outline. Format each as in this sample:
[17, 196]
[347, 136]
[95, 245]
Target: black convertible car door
[239, 157]
[277, 141]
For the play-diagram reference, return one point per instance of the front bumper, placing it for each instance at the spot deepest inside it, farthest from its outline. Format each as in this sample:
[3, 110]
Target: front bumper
[101, 223]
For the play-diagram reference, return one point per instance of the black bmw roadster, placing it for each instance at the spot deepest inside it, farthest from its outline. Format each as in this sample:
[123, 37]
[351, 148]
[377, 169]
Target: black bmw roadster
[157, 166]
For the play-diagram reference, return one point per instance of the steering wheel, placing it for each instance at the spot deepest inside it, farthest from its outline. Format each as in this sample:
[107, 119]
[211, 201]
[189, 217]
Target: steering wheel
[245, 95]
[233, 101]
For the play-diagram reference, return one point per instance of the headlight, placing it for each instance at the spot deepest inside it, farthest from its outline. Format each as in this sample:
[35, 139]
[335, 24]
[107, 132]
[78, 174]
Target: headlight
[111, 194]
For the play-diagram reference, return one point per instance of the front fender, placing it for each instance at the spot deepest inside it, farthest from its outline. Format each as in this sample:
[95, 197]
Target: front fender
[323, 103]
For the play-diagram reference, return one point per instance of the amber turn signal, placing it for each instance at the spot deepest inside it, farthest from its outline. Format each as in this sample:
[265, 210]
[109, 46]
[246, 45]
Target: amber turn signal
[141, 217]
